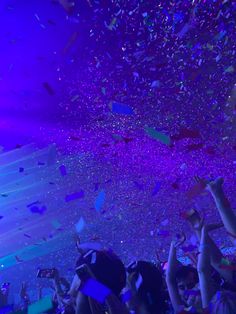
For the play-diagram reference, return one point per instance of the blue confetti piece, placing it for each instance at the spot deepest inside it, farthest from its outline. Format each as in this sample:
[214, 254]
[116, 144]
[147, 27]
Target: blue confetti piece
[38, 210]
[41, 306]
[156, 188]
[56, 224]
[63, 171]
[155, 84]
[220, 35]
[34, 203]
[178, 17]
[100, 200]
[120, 108]
[74, 196]
[96, 290]
[80, 225]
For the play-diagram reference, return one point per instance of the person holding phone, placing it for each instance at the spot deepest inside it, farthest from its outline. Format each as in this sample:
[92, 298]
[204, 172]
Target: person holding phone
[4, 292]
[100, 277]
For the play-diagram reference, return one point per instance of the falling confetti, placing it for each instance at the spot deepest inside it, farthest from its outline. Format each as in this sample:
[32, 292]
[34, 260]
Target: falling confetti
[99, 202]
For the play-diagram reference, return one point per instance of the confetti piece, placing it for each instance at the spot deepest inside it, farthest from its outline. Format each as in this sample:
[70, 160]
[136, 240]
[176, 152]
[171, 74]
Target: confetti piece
[229, 267]
[74, 98]
[56, 224]
[119, 108]
[184, 30]
[70, 42]
[155, 84]
[74, 138]
[32, 204]
[74, 196]
[158, 135]
[138, 282]
[163, 233]
[19, 260]
[27, 235]
[220, 35]
[52, 153]
[41, 163]
[127, 140]
[175, 185]
[96, 290]
[186, 133]
[210, 150]
[63, 171]
[80, 225]
[48, 88]
[41, 306]
[94, 258]
[100, 200]
[165, 222]
[193, 147]
[230, 69]
[156, 188]
[196, 190]
[38, 210]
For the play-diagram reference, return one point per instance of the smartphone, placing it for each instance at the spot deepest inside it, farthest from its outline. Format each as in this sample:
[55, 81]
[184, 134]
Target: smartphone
[46, 273]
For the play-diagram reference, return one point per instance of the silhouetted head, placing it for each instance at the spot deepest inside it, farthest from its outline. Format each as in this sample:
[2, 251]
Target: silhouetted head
[148, 282]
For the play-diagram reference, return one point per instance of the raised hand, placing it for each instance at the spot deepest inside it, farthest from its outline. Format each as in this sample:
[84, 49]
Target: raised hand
[203, 182]
[23, 292]
[179, 240]
[212, 186]
[215, 186]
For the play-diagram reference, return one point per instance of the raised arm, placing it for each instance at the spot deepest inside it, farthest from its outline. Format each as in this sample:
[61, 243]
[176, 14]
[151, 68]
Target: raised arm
[197, 223]
[225, 210]
[204, 270]
[24, 295]
[170, 279]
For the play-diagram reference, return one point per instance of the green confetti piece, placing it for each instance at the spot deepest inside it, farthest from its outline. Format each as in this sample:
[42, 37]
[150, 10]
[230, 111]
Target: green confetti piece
[41, 306]
[30, 252]
[224, 261]
[230, 69]
[158, 135]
